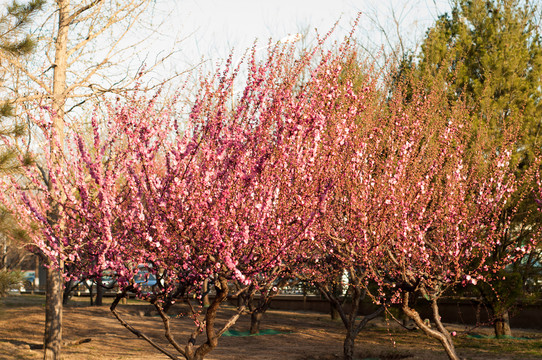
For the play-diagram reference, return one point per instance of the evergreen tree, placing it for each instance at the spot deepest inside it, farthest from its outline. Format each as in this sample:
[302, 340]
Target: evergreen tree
[14, 42]
[493, 50]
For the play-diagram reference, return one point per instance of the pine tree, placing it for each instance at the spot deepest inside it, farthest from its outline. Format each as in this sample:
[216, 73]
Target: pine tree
[493, 50]
[14, 42]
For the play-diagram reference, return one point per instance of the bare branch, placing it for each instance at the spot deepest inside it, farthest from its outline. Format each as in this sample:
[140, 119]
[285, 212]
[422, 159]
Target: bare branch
[136, 332]
[81, 10]
[24, 70]
[169, 337]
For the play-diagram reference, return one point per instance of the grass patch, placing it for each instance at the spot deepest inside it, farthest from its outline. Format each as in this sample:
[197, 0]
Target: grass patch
[23, 300]
[499, 346]
[85, 301]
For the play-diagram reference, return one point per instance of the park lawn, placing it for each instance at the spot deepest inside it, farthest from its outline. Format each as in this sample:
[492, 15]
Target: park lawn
[93, 333]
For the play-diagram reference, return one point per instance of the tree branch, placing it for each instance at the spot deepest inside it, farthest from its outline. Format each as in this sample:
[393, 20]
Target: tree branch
[136, 332]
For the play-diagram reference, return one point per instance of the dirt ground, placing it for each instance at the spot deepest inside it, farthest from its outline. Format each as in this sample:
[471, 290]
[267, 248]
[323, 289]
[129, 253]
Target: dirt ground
[306, 336]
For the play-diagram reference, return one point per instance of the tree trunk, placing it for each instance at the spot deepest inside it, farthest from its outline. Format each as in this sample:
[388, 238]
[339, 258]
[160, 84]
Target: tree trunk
[99, 293]
[333, 312]
[91, 294]
[4, 254]
[205, 290]
[502, 325]
[349, 345]
[256, 315]
[440, 333]
[53, 292]
[53, 314]
[60, 69]
[255, 321]
[66, 294]
[222, 290]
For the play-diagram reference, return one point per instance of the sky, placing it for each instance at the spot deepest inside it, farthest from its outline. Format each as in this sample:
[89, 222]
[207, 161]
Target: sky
[211, 28]
[203, 33]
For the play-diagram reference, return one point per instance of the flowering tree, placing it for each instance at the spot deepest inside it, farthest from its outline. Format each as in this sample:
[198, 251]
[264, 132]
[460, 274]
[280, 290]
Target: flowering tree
[225, 195]
[417, 206]
[348, 97]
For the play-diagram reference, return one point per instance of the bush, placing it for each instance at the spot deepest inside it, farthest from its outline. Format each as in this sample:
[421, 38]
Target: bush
[9, 280]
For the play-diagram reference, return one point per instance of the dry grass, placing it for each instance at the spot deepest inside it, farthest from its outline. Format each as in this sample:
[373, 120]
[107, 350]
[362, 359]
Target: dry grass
[312, 336]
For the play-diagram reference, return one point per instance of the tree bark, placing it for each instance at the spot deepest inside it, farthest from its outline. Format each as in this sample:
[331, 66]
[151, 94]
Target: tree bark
[502, 325]
[60, 68]
[91, 294]
[257, 313]
[53, 314]
[205, 290]
[349, 320]
[66, 293]
[441, 334]
[3, 258]
[99, 292]
[222, 291]
[333, 311]
[53, 298]
[348, 346]
[255, 321]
